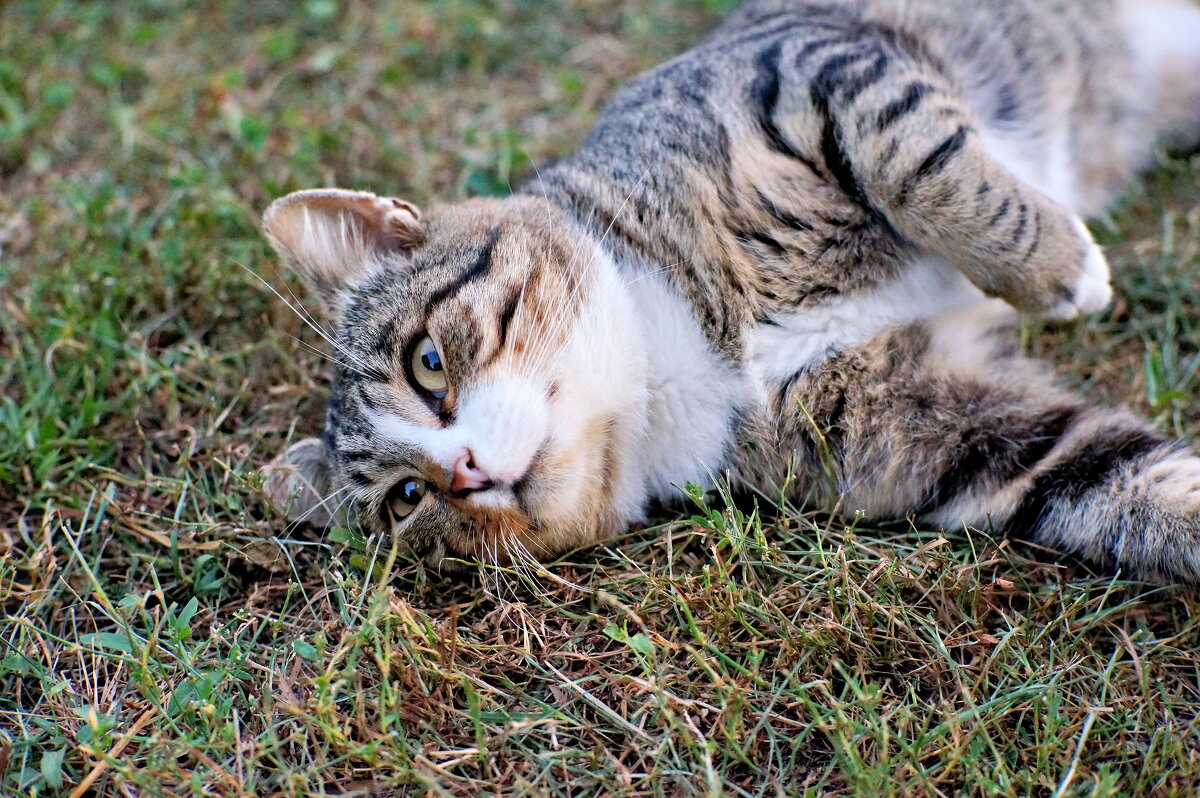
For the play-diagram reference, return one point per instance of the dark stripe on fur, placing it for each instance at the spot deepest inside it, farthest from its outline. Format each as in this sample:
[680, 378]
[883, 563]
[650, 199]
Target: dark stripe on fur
[836, 160]
[1094, 465]
[1022, 222]
[751, 236]
[869, 77]
[780, 215]
[360, 479]
[479, 268]
[910, 101]
[815, 46]
[1035, 240]
[785, 390]
[935, 162]
[506, 316]
[385, 339]
[764, 93]
[990, 456]
[830, 75]
[1001, 212]
[360, 391]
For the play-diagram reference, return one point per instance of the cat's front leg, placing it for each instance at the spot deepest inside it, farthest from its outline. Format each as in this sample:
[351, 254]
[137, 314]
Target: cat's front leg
[948, 194]
[915, 157]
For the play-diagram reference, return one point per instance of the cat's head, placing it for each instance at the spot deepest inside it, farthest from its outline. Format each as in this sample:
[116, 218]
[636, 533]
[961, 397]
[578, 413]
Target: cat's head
[489, 390]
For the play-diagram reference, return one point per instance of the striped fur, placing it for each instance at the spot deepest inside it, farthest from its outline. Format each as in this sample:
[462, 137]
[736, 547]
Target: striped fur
[796, 250]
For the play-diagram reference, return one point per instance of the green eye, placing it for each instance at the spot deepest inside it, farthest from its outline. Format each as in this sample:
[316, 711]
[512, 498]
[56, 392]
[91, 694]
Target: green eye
[404, 497]
[426, 365]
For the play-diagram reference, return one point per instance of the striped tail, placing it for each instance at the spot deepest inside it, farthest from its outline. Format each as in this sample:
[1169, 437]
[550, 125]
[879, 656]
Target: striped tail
[950, 431]
[1116, 494]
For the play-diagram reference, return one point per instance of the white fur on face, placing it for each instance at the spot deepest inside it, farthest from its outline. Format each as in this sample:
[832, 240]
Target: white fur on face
[601, 373]
[504, 422]
[574, 413]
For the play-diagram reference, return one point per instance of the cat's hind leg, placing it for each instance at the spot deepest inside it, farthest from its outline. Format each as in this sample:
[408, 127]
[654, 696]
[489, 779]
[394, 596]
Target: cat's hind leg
[930, 422]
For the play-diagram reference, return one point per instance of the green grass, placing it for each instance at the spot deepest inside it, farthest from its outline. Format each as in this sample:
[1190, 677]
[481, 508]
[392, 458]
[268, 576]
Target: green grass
[164, 634]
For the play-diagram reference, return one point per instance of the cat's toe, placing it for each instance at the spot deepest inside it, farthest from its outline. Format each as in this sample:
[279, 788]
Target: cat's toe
[1092, 291]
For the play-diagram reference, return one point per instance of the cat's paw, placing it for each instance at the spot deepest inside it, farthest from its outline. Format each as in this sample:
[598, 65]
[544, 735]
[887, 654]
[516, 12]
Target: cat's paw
[1092, 291]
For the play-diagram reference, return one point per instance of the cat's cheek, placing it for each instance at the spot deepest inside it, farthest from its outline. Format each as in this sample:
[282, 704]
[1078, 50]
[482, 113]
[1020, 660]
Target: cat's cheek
[555, 494]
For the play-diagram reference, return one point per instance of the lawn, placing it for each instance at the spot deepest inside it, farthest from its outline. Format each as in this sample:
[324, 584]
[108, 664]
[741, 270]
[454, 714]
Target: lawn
[164, 632]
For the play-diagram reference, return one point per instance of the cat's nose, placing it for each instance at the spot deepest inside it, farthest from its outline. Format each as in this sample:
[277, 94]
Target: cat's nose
[468, 477]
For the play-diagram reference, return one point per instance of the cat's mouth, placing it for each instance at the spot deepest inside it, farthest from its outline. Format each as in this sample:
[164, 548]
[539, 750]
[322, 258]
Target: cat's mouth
[529, 481]
[496, 537]
[557, 502]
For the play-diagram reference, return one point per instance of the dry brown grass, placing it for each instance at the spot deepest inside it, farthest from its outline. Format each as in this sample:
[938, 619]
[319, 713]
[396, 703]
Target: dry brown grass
[165, 634]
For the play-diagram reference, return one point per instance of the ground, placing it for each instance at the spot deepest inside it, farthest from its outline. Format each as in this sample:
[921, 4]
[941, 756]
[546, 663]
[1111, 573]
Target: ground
[163, 631]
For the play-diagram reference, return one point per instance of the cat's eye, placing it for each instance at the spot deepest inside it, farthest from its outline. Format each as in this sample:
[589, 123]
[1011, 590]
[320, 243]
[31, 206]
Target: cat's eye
[404, 497]
[425, 364]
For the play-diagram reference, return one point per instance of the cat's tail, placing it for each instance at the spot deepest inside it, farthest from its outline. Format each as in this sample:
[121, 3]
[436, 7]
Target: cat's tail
[1115, 493]
[949, 429]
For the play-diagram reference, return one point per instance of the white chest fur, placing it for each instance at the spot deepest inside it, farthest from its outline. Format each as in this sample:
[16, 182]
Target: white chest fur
[803, 339]
[694, 394]
[692, 397]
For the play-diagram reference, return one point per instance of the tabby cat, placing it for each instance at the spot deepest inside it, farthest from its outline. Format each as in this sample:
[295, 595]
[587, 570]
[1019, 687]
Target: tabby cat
[790, 257]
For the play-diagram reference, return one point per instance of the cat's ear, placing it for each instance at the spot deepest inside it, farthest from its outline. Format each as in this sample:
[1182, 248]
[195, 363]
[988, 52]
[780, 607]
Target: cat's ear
[335, 238]
[300, 481]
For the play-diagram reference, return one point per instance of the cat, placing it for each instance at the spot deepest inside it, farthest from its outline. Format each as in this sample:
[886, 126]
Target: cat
[791, 257]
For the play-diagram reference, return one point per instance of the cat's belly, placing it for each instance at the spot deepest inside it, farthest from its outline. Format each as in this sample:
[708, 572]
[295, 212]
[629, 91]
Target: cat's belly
[798, 341]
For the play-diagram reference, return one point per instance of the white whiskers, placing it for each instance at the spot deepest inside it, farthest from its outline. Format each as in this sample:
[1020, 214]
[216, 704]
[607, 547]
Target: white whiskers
[358, 365]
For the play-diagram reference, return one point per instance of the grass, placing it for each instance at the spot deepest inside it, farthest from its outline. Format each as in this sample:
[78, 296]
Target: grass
[164, 633]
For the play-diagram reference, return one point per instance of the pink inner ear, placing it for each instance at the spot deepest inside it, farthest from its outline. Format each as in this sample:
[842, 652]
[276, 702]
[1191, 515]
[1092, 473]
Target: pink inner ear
[385, 223]
[400, 223]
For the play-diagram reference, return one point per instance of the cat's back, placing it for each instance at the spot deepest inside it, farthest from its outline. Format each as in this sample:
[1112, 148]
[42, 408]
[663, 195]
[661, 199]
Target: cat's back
[1014, 58]
[725, 170]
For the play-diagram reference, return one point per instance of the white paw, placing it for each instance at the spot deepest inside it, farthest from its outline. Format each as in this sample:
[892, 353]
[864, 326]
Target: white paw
[1093, 289]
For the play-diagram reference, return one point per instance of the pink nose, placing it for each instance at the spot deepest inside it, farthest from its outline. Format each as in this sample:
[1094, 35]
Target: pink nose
[468, 477]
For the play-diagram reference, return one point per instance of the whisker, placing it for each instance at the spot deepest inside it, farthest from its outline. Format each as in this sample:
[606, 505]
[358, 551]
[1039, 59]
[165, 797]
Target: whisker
[333, 515]
[313, 350]
[652, 272]
[541, 346]
[564, 309]
[543, 571]
[320, 503]
[628, 197]
[544, 357]
[328, 338]
[308, 317]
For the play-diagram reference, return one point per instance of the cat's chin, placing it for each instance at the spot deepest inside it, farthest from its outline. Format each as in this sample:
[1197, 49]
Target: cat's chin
[533, 546]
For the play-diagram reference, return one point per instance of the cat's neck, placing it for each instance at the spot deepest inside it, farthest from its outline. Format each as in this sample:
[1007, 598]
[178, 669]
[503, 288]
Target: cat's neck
[690, 392]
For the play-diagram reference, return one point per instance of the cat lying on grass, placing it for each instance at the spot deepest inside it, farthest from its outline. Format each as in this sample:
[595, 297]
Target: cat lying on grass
[794, 254]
